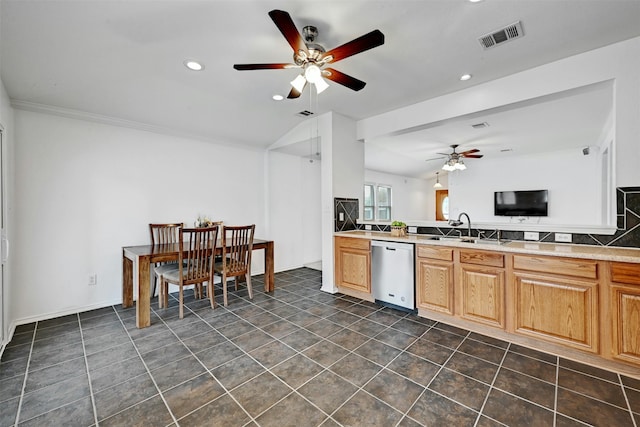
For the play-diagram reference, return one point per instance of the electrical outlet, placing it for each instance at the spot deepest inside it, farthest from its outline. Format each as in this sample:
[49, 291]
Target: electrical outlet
[563, 237]
[531, 235]
[93, 279]
[367, 227]
[412, 229]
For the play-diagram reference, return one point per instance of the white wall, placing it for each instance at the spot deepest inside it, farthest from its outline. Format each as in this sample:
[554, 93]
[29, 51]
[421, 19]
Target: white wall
[294, 209]
[412, 198]
[84, 190]
[573, 181]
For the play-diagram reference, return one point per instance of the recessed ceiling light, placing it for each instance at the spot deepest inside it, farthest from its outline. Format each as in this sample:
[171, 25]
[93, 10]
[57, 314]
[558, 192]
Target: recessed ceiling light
[193, 65]
[278, 97]
[475, 1]
[465, 77]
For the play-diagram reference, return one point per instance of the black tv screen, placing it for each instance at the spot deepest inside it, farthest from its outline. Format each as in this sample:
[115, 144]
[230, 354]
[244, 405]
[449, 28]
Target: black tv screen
[521, 203]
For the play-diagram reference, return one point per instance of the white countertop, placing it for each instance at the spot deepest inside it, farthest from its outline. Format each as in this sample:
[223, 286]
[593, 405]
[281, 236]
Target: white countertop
[603, 253]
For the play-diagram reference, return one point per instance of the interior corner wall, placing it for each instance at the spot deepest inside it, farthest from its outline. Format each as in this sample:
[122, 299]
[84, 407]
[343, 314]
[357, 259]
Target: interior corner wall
[84, 190]
[6, 121]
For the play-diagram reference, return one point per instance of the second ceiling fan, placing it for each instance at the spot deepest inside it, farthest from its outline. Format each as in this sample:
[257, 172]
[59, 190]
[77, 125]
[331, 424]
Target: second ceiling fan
[454, 159]
[312, 58]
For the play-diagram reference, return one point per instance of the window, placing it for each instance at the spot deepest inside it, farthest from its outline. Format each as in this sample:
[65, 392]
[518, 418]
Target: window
[384, 203]
[377, 202]
[369, 202]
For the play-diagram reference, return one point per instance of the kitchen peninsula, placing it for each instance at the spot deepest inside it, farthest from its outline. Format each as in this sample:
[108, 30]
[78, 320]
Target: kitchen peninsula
[578, 301]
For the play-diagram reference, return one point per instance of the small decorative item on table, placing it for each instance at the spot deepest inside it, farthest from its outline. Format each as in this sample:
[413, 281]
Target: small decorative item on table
[398, 229]
[203, 221]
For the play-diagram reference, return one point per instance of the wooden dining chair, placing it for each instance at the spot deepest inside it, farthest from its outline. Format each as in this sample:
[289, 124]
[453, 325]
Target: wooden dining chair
[162, 234]
[195, 264]
[237, 245]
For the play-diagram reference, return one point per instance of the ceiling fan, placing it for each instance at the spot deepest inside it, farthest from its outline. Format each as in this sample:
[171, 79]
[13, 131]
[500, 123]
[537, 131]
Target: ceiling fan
[312, 58]
[454, 159]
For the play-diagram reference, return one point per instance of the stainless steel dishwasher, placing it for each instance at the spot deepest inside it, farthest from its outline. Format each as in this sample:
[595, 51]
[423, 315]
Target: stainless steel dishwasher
[392, 273]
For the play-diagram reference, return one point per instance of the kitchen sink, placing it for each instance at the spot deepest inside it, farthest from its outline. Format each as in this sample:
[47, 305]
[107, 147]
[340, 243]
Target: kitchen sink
[467, 240]
[483, 241]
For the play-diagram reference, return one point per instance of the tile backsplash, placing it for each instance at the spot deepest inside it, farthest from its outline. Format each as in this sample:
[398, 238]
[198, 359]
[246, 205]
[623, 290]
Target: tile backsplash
[627, 234]
[345, 214]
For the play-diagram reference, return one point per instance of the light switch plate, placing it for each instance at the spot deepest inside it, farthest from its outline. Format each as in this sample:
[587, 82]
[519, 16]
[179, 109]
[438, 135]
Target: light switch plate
[563, 237]
[531, 235]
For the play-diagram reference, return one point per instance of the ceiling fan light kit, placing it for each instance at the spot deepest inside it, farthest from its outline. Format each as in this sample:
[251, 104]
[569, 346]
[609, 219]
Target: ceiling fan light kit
[312, 57]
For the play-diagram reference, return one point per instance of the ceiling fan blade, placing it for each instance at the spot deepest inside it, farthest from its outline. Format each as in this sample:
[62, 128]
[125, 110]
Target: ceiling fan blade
[293, 93]
[445, 154]
[368, 41]
[475, 150]
[473, 156]
[435, 158]
[343, 79]
[288, 29]
[245, 67]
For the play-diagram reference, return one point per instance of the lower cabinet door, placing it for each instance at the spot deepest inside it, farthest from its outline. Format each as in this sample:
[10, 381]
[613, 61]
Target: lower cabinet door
[483, 295]
[557, 309]
[434, 286]
[355, 267]
[626, 322]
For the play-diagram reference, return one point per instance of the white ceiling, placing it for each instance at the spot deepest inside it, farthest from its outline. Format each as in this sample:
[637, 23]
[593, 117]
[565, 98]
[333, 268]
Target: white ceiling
[124, 60]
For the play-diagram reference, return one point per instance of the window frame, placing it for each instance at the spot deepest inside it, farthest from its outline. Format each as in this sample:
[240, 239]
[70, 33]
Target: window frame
[375, 208]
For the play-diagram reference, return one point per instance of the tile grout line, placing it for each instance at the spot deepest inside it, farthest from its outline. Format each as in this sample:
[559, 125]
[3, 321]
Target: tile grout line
[555, 397]
[148, 372]
[226, 391]
[493, 381]
[300, 353]
[294, 391]
[26, 374]
[86, 366]
[626, 398]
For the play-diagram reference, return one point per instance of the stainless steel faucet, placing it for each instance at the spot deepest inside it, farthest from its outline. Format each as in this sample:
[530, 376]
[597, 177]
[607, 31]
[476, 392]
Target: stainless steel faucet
[456, 223]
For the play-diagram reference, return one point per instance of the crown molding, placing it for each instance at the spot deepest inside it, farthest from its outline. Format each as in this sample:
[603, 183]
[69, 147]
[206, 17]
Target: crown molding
[119, 122]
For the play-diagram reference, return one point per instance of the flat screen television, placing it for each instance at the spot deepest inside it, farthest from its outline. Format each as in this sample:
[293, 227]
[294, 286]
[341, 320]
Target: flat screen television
[521, 203]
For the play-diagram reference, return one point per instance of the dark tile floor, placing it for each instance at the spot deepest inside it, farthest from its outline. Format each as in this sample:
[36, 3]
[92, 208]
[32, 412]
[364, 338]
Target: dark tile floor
[296, 357]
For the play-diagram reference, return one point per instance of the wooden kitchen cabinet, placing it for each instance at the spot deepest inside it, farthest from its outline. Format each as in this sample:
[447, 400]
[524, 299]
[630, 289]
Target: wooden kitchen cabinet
[556, 300]
[353, 266]
[434, 278]
[482, 287]
[625, 308]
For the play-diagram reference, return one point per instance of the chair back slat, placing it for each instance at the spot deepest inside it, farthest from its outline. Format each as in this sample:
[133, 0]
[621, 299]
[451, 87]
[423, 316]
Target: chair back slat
[162, 234]
[197, 251]
[237, 246]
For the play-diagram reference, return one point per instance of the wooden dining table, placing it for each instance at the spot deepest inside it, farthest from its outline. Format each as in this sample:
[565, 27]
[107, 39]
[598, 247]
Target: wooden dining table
[137, 261]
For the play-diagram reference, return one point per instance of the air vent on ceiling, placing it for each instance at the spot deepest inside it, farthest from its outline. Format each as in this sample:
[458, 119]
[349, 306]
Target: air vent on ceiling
[305, 113]
[480, 125]
[502, 35]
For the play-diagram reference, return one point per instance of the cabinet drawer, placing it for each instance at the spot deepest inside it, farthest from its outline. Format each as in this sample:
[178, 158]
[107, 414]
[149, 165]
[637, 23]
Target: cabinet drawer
[625, 273]
[352, 242]
[491, 259]
[443, 254]
[585, 268]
